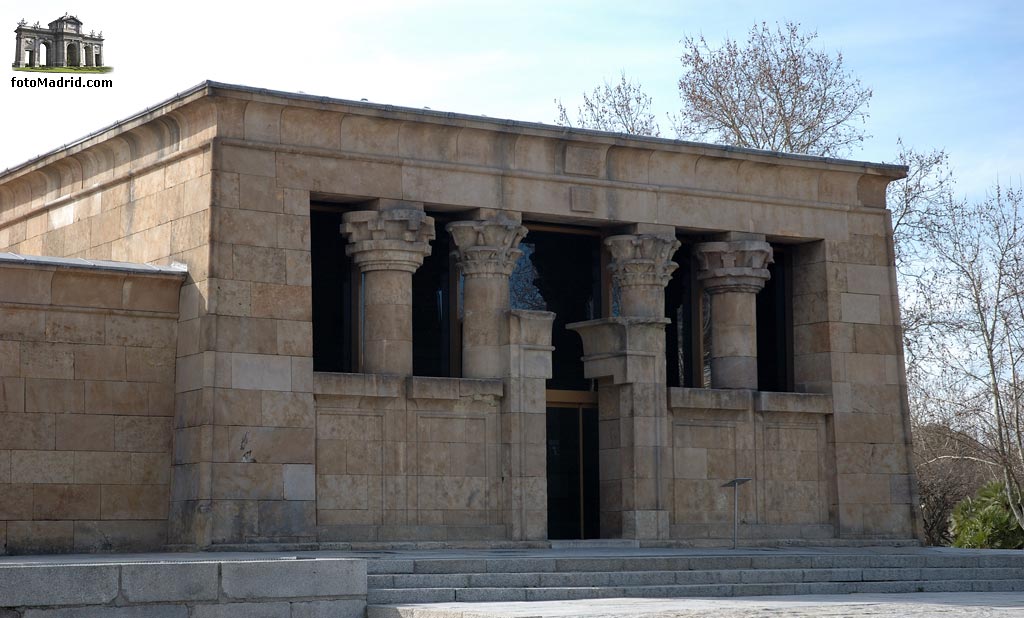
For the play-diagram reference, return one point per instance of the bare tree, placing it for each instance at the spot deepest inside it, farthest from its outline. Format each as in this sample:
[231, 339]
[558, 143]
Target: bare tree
[775, 93]
[973, 282]
[622, 107]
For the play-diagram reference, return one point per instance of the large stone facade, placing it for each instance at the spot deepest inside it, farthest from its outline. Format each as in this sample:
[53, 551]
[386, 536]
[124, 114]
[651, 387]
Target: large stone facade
[233, 183]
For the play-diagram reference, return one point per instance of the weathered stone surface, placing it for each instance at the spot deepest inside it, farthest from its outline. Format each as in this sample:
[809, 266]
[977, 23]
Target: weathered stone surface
[299, 578]
[149, 583]
[58, 585]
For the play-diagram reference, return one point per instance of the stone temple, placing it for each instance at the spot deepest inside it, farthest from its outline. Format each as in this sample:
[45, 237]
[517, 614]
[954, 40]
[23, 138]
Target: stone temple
[250, 317]
[60, 44]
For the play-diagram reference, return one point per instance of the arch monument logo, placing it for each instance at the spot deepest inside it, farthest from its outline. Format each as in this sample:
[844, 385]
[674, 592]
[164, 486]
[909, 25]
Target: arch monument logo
[62, 46]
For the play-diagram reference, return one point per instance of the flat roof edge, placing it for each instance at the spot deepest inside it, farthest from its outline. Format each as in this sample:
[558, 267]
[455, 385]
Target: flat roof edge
[109, 265]
[213, 88]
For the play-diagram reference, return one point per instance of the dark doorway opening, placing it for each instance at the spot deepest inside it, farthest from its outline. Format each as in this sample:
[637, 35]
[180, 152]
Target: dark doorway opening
[573, 478]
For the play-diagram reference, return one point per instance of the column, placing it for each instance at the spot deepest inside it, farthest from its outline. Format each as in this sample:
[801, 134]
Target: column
[387, 246]
[627, 356]
[19, 51]
[733, 271]
[486, 252]
[641, 266]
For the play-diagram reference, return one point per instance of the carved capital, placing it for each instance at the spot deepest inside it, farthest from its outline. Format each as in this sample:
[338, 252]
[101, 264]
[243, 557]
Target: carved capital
[641, 259]
[734, 266]
[486, 248]
[388, 239]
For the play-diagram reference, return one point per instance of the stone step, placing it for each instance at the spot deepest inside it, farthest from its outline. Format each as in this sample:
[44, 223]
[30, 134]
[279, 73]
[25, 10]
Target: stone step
[393, 596]
[663, 578]
[687, 563]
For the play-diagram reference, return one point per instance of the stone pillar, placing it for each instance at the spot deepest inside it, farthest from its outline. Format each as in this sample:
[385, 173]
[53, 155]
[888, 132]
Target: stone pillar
[733, 272]
[387, 246]
[19, 51]
[627, 356]
[523, 424]
[487, 252]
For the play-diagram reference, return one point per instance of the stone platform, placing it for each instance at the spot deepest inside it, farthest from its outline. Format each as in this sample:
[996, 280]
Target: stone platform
[581, 579]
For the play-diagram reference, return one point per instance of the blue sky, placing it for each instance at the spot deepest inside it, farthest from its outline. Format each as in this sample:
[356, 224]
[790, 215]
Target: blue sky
[944, 74]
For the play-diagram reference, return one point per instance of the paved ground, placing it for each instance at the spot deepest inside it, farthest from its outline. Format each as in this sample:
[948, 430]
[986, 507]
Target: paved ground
[920, 605]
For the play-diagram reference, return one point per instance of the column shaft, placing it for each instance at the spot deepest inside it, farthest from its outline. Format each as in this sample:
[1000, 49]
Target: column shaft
[487, 251]
[733, 272]
[387, 246]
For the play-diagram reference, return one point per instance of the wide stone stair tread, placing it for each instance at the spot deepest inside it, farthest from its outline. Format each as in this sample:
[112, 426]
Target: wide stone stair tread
[555, 579]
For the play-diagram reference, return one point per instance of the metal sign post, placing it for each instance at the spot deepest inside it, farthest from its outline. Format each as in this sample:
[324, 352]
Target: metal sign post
[735, 484]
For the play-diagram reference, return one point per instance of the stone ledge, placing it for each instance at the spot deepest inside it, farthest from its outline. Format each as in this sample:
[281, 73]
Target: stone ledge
[807, 403]
[710, 399]
[413, 387]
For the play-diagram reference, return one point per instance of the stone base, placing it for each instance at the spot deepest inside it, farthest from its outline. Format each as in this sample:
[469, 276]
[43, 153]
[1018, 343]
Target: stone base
[183, 587]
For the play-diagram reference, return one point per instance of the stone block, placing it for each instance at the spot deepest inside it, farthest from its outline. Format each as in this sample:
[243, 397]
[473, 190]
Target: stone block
[245, 227]
[70, 584]
[84, 432]
[233, 521]
[127, 398]
[237, 407]
[261, 372]
[25, 285]
[294, 338]
[47, 360]
[249, 610]
[150, 365]
[27, 431]
[131, 611]
[150, 332]
[15, 502]
[102, 468]
[860, 308]
[150, 468]
[263, 444]
[68, 327]
[287, 519]
[293, 578]
[284, 302]
[58, 502]
[262, 264]
[247, 481]
[99, 363]
[135, 501]
[257, 336]
[283, 409]
[39, 537]
[352, 608]
[154, 583]
[42, 467]
[299, 482]
[142, 434]
[75, 288]
[5, 468]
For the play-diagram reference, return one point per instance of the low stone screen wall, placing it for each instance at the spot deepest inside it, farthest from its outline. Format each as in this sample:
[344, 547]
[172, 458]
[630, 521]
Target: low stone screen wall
[87, 361]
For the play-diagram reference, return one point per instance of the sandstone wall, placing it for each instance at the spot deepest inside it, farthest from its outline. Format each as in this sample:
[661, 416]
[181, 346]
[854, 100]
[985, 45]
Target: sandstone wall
[87, 359]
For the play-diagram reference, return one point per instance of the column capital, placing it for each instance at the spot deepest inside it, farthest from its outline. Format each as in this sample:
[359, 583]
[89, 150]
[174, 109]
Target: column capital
[642, 259]
[487, 248]
[388, 239]
[734, 266]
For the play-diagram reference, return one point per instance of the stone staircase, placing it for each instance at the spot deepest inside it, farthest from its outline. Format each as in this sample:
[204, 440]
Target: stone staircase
[566, 577]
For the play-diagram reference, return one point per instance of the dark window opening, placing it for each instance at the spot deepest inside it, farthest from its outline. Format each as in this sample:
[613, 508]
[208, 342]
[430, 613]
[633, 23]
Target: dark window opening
[560, 272]
[682, 365]
[775, 327]
[435, 347]
[333, 281]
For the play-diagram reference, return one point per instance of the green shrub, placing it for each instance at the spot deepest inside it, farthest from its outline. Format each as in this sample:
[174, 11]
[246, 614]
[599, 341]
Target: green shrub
[985, 521]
